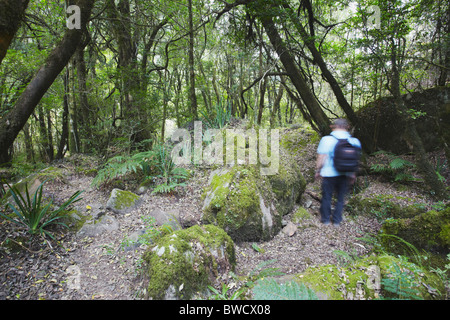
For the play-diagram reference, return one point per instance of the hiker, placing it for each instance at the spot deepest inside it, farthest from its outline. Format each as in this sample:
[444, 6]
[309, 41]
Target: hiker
[337, 171]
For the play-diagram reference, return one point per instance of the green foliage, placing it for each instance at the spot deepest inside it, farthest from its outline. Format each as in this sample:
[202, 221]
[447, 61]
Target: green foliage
[444, 274]
[222, 115]
[31, 213]
[262, 271]
[154, 165]
[257, 248]
[397, 169]
[224, 295]
[401, 285]
[119, 166]
[171, 175]
[167, 187]
[390, 240]
[269, 289]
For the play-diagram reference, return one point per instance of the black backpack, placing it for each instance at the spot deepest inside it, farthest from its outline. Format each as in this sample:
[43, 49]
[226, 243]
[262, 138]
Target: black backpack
[346, 156]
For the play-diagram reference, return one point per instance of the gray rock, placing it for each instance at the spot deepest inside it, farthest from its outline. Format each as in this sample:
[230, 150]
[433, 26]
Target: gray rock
[133, 240]
[290, 229]
[122, 202]
[95, 228]
[169, 217]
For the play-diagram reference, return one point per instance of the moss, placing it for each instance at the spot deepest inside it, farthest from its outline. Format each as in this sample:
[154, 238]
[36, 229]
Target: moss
[188, 260]
[354, 281]
[429, 231]
[301, 214]
[294, 140]
[124, 199]
[234, 202]
[288, 184]
[381, 206]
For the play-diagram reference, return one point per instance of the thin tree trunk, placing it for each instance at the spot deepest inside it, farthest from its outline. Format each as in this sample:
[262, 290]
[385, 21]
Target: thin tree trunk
[65, 119]
[192, 95]
[317, 114]
[276, 105]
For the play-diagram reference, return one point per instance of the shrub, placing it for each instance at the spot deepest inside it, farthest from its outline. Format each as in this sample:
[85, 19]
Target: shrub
[31, 213]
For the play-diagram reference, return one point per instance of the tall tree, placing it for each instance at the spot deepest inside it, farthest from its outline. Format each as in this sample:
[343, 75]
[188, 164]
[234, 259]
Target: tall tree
[192, 95]
[292, 70]
[11, 15]
[14, 121]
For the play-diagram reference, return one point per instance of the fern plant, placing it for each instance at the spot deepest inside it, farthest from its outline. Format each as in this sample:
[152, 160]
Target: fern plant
[119, 166]
[171, 176]
[401, 285]
[269, 289]
[30, 212]
[396, 168]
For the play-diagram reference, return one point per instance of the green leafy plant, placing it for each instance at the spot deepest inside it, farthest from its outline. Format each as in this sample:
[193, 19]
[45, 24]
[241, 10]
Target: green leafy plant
[30, 212]
[401, 285]
[391, 242]
[222, 115]
[444, 273]
[396, 169]
[119, 166]
[170, 175]
[224, 294]
[269, 289]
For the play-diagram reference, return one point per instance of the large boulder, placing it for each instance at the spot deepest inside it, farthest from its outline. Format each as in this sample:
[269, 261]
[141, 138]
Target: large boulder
[430, 110]
[428, 231]
[248, 204]
[33, 181]
[238, 201]
[187, 261]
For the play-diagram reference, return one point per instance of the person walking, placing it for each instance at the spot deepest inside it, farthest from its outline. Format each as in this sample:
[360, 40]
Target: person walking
[337, 164]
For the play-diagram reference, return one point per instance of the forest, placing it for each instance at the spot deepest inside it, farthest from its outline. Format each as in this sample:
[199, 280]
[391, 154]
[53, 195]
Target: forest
[92, 90]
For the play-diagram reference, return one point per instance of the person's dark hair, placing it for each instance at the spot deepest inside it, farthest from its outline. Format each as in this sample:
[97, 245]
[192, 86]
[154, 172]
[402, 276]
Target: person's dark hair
[341, 123]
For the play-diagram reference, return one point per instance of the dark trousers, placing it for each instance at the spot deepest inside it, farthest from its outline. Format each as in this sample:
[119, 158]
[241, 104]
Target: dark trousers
[329, 186]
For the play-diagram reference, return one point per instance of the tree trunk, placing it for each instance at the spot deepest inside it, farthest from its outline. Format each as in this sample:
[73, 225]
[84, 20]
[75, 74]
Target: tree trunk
[65, 119]
[28, 143]
[192, 96]
[84, 115]
[317, 114]
[11, 15]
[13, 122]
[445, 55]
[276, 105]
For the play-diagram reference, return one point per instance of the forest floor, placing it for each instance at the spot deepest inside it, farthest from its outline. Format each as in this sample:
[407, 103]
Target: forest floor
[45, 270]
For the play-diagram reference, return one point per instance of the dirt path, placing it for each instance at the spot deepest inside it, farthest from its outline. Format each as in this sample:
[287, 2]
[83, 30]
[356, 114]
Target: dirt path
[99, 267]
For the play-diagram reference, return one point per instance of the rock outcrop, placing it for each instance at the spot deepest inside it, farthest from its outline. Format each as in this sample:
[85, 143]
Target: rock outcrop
[187, 261]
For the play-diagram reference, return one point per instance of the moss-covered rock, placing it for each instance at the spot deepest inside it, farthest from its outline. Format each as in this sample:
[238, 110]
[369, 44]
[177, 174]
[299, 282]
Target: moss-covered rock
[381, 206]
[288, 184]
[294, 140]
[371, 278]
[248, 204]
[428, 231]
[379, 120]
[121, 201]
[240, 201]
[187, 261]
